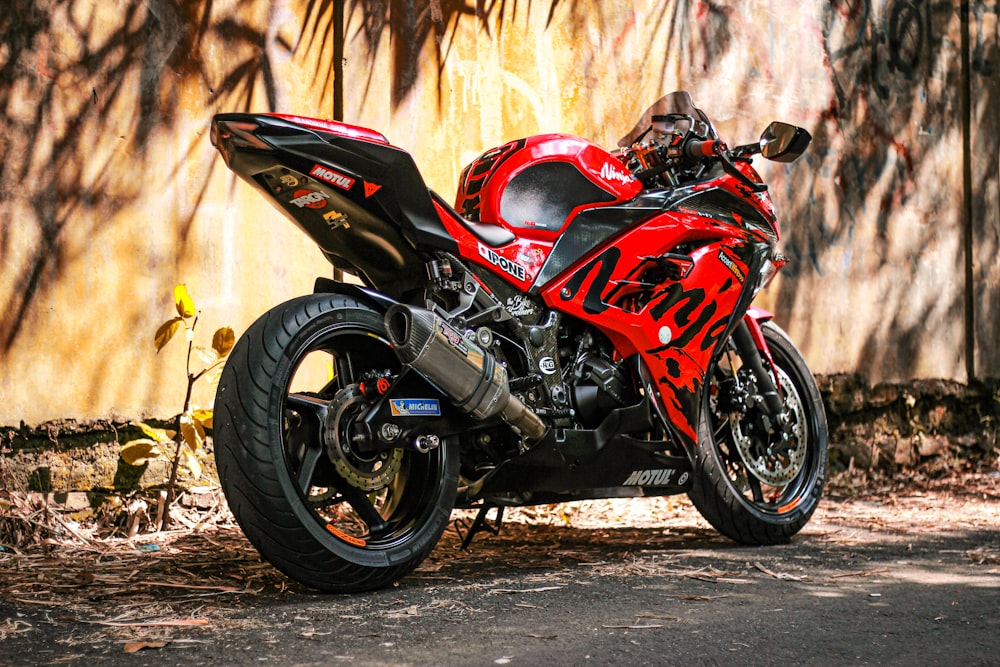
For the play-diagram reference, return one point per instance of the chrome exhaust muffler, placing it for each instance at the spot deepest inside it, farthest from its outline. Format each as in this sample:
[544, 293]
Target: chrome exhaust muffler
[470, 376]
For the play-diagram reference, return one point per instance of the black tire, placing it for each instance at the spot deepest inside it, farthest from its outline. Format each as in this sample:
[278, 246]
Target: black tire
[748, 495]
[283, 486]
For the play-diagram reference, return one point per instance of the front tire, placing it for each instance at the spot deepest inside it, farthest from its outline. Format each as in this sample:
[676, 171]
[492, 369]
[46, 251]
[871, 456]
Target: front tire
[752, 486]
[337, 522]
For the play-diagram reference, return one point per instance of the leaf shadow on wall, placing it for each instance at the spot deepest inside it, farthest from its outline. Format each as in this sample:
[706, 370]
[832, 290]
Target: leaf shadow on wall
[72, 125]
[411, 24]
[896, 82]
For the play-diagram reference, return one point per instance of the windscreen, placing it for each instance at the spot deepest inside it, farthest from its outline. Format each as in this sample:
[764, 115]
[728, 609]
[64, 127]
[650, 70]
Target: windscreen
[676, 103]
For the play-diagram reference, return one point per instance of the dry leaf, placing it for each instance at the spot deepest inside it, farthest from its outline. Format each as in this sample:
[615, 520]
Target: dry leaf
[160, 435]
[526, 590]
[203, 417]
[180, 622]
[223, 341]
[193, 432]
[137, 452]
[135, 647]
[166, 332]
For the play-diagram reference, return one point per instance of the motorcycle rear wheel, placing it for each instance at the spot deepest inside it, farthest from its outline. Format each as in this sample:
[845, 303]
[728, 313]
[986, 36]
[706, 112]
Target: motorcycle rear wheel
[751, 487]
[338, 524]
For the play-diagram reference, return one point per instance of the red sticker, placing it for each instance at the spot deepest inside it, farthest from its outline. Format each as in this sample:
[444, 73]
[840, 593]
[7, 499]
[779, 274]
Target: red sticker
[332, 177]
[309, 199]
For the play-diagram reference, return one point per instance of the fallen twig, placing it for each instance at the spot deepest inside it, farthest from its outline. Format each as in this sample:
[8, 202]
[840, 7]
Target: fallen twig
[864, 573]
[180, 622]
[508, 591]
[776, 575]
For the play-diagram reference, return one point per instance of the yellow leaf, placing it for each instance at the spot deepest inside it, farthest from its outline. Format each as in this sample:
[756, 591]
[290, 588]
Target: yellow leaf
[194, 434]
[166, 332]
[223, 341]
[137, 452]
[158, 434]
[192, 462]
[183, 301]
[203, 417]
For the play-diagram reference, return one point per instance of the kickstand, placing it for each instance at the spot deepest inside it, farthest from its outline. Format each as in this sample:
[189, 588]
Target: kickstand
[481, 525]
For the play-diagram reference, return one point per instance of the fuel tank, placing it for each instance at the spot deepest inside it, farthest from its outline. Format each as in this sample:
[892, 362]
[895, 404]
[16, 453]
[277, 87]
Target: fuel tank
[533, 187]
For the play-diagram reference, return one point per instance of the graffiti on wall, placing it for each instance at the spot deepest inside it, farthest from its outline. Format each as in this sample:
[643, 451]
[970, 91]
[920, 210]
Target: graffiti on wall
[890, 139]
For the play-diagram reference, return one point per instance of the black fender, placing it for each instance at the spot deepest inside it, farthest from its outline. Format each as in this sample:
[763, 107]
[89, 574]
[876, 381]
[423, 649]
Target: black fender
[373, 298]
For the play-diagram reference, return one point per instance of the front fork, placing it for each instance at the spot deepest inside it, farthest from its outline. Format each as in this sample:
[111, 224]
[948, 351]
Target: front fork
[753, 350]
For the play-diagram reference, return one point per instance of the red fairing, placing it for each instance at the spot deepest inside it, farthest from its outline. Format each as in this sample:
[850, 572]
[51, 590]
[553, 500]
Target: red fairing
[534, 186]
[518, 261]
[673, 326]
[759, 200]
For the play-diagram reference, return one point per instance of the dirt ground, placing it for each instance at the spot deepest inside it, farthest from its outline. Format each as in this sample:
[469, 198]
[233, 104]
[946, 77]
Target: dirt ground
[885, 574]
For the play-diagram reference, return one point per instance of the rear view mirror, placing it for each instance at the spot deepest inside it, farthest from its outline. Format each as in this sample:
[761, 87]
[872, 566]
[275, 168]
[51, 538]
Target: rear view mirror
[782, 142]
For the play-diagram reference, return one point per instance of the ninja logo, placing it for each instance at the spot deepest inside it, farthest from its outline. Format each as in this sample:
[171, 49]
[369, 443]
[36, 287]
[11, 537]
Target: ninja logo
[610, 172]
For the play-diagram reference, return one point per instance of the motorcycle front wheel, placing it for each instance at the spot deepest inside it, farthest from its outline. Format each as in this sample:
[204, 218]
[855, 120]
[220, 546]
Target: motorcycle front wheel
[754, 483]
[331, 517]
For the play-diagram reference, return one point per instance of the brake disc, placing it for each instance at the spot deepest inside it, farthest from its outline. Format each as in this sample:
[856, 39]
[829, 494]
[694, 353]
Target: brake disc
[775, 464]
[368, 472]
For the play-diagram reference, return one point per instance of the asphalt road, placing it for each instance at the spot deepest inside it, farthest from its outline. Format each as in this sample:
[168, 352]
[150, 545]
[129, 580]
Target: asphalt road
[901, 580]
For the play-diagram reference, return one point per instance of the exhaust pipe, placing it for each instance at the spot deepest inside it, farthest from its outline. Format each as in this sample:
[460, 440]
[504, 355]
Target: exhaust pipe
[470, 376]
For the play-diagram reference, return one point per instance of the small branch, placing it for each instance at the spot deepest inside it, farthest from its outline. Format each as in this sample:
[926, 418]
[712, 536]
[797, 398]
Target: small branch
[210, 367]
[175, 464]
[863, 573]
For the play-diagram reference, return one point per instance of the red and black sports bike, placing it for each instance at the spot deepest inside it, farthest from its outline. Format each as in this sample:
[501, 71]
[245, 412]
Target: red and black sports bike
[578, 326]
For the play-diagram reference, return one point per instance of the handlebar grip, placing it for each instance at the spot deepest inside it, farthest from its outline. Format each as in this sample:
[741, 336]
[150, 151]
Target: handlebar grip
[699, 149]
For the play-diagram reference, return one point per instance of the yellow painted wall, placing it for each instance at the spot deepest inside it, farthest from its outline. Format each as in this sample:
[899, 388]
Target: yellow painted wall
[873, 214]
[110, 191]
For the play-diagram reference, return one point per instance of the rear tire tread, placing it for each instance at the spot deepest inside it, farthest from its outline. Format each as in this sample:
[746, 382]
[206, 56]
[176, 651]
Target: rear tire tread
[246, 458]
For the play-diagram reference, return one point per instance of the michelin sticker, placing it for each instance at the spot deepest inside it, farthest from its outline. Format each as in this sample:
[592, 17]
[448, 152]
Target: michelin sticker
[415, 407]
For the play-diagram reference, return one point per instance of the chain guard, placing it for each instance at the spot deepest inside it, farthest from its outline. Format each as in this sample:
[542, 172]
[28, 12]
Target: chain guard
[371, 472]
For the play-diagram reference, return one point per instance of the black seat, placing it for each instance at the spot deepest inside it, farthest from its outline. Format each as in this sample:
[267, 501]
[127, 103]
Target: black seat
[492, 235]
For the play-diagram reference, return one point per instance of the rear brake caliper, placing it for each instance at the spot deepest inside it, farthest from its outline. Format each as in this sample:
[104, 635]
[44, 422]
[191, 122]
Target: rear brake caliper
[344, 435]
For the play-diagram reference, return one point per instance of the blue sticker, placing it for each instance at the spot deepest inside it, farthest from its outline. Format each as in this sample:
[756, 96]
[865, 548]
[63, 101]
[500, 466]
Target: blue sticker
[415, 407]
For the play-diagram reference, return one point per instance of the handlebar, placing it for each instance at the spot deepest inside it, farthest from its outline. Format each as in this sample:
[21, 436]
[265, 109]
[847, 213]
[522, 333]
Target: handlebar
[697, 149]
[657, 160]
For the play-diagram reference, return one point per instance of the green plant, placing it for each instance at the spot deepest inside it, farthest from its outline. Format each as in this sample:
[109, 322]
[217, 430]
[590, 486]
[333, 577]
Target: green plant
[189, 437]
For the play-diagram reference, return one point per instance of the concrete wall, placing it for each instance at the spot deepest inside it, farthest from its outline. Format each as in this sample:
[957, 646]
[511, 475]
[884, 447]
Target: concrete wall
[882, 280]
[111, 193]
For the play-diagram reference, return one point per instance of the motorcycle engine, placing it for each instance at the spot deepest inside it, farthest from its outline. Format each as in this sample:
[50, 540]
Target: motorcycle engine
[599, 385]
